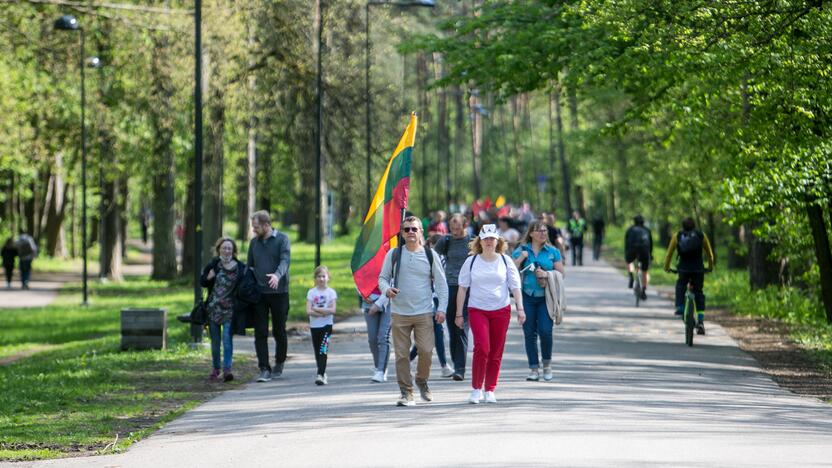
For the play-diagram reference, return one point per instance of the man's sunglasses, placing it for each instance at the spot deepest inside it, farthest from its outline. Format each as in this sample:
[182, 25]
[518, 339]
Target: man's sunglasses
[410, 229]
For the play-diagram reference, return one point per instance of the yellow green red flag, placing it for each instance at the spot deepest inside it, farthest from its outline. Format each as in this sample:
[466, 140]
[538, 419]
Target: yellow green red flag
[384, 216]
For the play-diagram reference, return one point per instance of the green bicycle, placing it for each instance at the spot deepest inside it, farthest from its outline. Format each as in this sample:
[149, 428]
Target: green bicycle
[690, 313]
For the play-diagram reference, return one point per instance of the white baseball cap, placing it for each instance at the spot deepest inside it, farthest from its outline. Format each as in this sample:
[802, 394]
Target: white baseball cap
[489, 230]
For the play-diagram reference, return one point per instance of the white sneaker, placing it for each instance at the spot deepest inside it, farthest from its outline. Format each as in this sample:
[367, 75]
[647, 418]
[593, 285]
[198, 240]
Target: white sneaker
[447, 371]
[490, 398]
[547, 374]
[476, 396]
[378, 377]
[534, 376]
[385, 375]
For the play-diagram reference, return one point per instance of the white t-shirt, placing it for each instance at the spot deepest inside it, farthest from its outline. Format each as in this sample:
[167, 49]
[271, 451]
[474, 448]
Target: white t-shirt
[321, 298]
[489, 282]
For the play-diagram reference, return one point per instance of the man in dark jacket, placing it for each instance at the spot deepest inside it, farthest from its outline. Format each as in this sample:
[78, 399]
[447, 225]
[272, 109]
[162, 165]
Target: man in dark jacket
[268, 255]
[692, 248]
[638, 245]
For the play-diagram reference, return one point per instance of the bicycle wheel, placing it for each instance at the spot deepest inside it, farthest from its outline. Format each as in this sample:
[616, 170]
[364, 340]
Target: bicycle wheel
[637, 286]
[690, 320]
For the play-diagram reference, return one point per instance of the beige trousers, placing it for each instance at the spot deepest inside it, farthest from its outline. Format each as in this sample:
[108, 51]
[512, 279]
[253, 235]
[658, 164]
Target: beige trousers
[422, 327]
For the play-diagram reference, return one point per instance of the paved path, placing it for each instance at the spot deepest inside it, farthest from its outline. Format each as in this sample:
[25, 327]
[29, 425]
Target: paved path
[627, 392]
[44, 287]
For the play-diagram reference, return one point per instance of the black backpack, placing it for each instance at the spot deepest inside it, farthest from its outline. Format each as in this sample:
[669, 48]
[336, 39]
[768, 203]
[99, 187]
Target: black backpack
[640, 237]
[689, 244]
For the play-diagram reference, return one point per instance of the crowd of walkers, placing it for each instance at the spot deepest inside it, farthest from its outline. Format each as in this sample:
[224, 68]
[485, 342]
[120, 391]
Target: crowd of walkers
[460, 275]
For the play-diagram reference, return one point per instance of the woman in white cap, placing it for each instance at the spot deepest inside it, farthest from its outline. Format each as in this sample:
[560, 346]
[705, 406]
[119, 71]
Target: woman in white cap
[486, 278]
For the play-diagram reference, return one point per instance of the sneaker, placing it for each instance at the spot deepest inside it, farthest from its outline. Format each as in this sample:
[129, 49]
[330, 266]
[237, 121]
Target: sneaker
[326, 380]
[630, 282]
[406, 400]
[385, 375]
[378, 377]
[424, 391]
[265, 376]
[25, 286]
[447, 371]
[534, 376]
[319, 379]
[458, 377]
[227, 376]
[277, 370]
[700, 328]
[643, 295]
[476, 396]
[215, 375]
[490, 398]
[547, 373]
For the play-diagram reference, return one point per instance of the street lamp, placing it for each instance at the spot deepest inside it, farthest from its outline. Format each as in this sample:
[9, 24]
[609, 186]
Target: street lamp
[69, 23]
[367, 99]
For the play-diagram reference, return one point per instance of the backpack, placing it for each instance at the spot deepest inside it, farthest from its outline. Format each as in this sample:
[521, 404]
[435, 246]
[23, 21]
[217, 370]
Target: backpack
[639, 237]
[689, 244]
[25, 246]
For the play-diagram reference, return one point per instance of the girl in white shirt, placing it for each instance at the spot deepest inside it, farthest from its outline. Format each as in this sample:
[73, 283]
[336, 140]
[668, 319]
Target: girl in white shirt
[486, 277]
[320, 306]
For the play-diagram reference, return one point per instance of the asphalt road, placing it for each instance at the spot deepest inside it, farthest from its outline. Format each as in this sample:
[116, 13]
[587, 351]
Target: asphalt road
[626, 392]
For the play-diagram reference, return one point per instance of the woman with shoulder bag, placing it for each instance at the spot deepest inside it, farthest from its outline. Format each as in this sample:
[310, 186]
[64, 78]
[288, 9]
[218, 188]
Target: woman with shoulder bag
[535, 257]
[486, 278]
[221, 276]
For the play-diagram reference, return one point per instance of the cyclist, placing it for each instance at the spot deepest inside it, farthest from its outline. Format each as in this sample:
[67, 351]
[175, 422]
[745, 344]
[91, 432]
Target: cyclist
[638, 245]
[690, 244]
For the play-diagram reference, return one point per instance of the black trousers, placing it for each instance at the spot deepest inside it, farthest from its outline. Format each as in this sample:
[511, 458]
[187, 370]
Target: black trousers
[697, 278]
[577, 244]
[458, 337]
[321, 338]
[596, 247]
[278, 305]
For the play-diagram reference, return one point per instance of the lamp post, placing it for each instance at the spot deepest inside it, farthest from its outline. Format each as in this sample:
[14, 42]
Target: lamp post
[69, 23]
[367, 99]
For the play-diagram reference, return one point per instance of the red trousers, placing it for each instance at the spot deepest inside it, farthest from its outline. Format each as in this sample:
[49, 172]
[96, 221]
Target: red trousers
[489, 328]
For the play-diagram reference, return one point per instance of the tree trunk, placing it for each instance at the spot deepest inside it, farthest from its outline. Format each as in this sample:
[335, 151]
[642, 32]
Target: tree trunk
[443, 134]
[516, 129]
[564, 167]
[111, 243]
[762, 271]
[476, 141]
[737, 259]
[55, 210]
[459, 141]
[823, 254]
[161, 118]
[421, 86]
[213, 164]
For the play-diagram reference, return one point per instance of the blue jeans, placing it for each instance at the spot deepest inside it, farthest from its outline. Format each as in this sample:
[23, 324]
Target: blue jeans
[223, 334]
[538, 324]
[378, 336]
[439, 338]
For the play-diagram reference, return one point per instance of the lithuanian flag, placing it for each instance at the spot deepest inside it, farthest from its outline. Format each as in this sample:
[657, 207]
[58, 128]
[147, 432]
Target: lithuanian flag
[384, 216]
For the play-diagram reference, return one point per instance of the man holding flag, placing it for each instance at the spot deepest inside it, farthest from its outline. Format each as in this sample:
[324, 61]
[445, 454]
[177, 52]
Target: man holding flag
[409, 277]
[411, 302]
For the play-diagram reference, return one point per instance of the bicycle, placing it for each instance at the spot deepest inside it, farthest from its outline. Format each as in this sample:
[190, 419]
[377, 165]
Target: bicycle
[690, 313]
[638, 289]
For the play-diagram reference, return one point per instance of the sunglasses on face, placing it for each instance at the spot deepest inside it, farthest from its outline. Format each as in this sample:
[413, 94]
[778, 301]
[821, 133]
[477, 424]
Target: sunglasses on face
[541, 230]
[410, 229]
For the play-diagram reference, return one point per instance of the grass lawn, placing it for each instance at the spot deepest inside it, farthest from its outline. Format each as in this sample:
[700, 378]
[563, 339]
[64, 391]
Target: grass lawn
[729, 289]
[65, 388]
